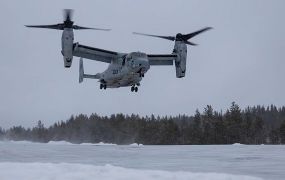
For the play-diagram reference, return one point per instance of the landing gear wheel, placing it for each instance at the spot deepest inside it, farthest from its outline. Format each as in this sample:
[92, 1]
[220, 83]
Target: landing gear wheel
[132, 88]
[103, 86]
[136, 89]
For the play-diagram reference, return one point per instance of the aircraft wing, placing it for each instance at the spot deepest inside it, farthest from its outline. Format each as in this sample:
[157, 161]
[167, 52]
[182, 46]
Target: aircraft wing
[94, 53]
[161, 59]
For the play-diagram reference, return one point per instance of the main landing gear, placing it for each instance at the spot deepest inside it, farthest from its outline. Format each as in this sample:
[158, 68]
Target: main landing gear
[135, 88]
[103, 86]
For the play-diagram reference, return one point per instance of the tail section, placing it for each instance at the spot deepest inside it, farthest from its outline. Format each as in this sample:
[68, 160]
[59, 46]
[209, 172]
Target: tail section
[82, 75]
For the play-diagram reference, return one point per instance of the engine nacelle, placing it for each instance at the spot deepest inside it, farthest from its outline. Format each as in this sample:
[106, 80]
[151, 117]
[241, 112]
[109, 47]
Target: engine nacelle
[180, 49]
[67, 46]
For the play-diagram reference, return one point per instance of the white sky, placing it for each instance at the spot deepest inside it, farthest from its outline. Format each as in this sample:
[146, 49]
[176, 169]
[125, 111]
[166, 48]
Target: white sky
[241, 60]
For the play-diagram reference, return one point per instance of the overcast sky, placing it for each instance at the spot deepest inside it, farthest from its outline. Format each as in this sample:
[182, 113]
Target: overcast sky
[241, 60]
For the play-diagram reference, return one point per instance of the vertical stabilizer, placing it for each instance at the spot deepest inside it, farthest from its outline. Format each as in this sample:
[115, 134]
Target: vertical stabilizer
[81, 71]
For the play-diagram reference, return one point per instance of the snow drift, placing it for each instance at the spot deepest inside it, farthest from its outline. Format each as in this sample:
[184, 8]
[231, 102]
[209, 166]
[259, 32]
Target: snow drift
[98, 144]
[237, 144]
[58, 143]
[136, 145]
[86, 144]
[64, 171]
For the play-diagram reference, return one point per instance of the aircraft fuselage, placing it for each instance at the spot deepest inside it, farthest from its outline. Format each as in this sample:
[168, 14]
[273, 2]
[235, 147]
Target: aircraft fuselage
[125, 71]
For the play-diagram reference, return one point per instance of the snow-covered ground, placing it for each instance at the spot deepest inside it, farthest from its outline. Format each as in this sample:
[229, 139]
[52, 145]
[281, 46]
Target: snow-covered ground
[64, 171]
[62, 160]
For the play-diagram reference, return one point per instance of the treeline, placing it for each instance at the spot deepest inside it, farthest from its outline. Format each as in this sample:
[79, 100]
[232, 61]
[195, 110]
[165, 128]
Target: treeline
[253, 125]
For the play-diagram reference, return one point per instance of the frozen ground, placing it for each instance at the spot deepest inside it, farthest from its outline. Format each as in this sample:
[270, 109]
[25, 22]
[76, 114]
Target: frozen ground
[62, 160]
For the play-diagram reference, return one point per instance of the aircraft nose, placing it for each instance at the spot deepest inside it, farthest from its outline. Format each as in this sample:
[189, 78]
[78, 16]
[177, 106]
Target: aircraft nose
[143, 63]
[143, 66]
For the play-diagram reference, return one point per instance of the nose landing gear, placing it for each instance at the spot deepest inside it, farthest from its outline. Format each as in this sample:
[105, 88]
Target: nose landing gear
[141, 72]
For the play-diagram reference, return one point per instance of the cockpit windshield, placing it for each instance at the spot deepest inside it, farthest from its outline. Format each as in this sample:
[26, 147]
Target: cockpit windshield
[136, 55]
[139, 55]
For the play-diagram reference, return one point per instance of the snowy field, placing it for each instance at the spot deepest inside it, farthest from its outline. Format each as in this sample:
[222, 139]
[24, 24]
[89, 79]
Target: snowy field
[66, 161]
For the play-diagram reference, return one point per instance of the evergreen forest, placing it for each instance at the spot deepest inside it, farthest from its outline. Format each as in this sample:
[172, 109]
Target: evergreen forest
[252, 125]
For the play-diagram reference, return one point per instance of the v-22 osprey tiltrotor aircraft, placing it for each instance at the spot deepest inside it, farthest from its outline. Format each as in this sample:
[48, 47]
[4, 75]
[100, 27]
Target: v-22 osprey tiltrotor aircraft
[125, 69]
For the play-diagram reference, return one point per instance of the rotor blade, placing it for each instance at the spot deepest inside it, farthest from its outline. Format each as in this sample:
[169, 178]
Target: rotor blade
[54, 26]
[171, 38]
[191, 35]
[81, 28]
[67, 14]
[190, 43]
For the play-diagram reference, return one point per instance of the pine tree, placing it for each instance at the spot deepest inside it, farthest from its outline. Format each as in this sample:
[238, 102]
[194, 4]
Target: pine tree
[234, 124]
[196, 130]
[282, 132]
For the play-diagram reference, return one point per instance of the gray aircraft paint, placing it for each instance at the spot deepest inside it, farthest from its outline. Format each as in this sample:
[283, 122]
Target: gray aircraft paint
[241, 60]
[67, 46]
